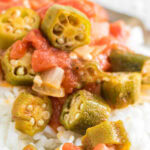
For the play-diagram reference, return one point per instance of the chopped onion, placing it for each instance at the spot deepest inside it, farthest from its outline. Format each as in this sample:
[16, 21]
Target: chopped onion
[49, 91]
[53, 77]
[89, 52]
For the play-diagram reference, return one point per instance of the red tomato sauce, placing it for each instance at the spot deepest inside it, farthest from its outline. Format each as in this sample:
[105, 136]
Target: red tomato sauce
[57, 107]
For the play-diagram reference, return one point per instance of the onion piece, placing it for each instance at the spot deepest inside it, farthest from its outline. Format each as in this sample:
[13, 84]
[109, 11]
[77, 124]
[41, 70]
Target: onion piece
[49, 91]
[53, 77]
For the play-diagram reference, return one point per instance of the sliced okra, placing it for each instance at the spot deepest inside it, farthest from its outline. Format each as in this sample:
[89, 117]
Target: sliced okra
[18, 72]
[66, 27]
[15, 23]
[109, 133]
[83, 110]
[31, 113]
[121, 89]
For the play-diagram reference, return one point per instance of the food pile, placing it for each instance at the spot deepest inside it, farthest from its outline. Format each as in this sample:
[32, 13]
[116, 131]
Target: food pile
[75, 68]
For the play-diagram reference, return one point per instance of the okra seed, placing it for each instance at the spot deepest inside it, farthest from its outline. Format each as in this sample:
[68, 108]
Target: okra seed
[79, 37]
[20, 71]
[61, 40]
[18, 31]
[16, 13]
[27, 27]
[66, 117]
[28, 20]
[77, 116]
[32, 121]
[40, 122]
[44, 106]
[29, 107]
[46, 115]
[81, 106]
[9, 28]
[58, 29]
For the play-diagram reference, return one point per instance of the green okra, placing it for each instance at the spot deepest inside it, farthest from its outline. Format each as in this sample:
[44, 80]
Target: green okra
[15, 23]
[17, 72]
[83, 110]
[121, 89]
[66, 27]
[109, 133]
[31, 113]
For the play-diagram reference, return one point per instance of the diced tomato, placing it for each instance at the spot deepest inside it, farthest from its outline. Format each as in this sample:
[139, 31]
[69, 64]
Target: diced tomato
[37, 4]
[70, 146]
[36, 39]
[92, 10]
[103, 147]
[57, 107]
[119, 30]
[43, 60]
[18, 50]
[42, 10]
[69, 82]
[5, 4]
[99, 30]
[33, 39]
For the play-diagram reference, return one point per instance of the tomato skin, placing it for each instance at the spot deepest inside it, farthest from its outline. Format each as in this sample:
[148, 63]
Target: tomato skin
[119, 30]
[70, 81]
[70, 146]
[33, 38]
[18, 50]
[43, 60]
[99, 30]
[36, 39]
[57, 104]
[5, 4]
[92, 10]
[37, 4]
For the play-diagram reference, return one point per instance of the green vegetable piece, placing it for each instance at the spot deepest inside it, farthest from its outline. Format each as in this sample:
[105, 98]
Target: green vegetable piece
[110, 133]
[66, 27]
[18, 72]
[121, 89]
[123, 61]
[31, 114]
[15, 23]
[83, 110]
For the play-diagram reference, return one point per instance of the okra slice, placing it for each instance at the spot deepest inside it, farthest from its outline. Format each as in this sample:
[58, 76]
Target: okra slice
[121, 89]
[66, 27]
[110, 133]
[83, 110]
[124, 61]
[18, 72]
[15, 23]
[31, 113]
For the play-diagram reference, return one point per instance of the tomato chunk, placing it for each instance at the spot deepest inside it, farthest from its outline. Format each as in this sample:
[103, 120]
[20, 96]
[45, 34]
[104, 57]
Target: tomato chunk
[70, 81]
[103, 147]
[37, 4]
[98, 31]
[57, 104]
[70, 146]
[43, 60]
[34, 40]
[5, 4]
[18, 50]
[119, 30]
[92, 10]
